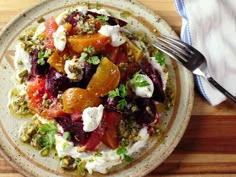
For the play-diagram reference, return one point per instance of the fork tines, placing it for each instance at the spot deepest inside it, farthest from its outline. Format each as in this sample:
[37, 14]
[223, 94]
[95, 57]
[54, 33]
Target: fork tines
[173, 47]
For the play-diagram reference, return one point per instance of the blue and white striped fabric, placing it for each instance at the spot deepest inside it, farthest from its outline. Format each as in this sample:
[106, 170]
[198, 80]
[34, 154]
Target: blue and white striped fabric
[210, 26]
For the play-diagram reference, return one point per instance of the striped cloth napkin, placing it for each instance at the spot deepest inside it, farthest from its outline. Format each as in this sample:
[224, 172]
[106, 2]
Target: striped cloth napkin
[210, 26]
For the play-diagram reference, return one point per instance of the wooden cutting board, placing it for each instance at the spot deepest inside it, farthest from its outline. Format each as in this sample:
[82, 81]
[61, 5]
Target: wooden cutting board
[208, 147]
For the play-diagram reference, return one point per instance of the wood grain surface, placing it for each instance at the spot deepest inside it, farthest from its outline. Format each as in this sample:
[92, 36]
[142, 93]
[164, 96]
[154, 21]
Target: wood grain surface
[208, 147]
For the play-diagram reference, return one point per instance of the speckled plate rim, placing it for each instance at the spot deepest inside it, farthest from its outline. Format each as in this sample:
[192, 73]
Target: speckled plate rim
[186, 76]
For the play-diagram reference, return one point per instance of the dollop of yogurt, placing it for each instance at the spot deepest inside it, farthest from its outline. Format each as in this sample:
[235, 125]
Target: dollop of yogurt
[92, 117]
[114, 32]
[145, 91]
[59, 38]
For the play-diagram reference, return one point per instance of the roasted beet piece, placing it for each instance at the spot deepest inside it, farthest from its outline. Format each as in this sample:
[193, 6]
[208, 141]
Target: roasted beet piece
[89, 70]
[111, 21]
[37, 69]
[110, 104]
[78, 136]
[143, 110]
[56, 82]
[72, 18]
[158, 94]
[146, 113]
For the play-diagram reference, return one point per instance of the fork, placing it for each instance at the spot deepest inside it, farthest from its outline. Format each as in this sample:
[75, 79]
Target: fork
[190, 57]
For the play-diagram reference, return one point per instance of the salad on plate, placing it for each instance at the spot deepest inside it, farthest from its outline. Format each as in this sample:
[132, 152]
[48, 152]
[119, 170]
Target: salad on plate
[93, 90]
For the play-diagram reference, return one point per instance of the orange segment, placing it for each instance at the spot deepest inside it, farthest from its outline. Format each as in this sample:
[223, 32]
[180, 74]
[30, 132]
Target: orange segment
[57, 62]
[77, 43]
[105, 79]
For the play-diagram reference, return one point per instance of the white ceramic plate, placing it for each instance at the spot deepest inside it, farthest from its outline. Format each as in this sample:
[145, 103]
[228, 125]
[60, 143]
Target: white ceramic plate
[26, 159]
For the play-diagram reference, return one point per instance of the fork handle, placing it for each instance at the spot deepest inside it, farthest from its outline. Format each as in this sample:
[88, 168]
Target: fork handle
[221, 89]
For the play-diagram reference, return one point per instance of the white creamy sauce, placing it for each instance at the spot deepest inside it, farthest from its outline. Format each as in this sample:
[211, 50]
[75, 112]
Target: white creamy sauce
[145, 91]
[41, 28]
[92, 117]
[21, 60]
[139, 145]
[59, 38]
[160, 69]
[108, 157]
[100, 11]
[114, 32]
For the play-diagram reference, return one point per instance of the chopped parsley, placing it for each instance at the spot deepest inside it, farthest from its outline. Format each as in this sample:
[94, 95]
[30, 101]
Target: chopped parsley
[160, 58]
[122, 151]
[42, 56]
[121, 104]
[118, 92]
[89, 49]
[93, 60]
[121, 92]
[139, 81]
[103, 18]
[48, 131]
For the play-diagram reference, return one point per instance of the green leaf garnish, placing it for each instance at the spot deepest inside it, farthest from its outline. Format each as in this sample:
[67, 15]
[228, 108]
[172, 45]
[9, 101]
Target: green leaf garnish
[128, 158]
[123, 152]
[114, 93]
[48, 130]
[103, 18]
[122, 104]
[139, 81]
[42, 56]
[93, 60]
[89, 49]
[160, 58]
[122, 89]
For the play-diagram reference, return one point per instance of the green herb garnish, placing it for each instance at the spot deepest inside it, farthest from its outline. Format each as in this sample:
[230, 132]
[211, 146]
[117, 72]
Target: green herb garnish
[119, 91]
[89, 49]
[103, 18]
[122, 104]
[160, 58]
[42, 56]
[139, 81]
[93, 60]
[123, 152]
[122, 93]
[48, 131]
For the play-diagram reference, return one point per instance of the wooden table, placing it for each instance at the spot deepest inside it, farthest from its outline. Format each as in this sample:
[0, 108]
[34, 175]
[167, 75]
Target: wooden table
[208, 147]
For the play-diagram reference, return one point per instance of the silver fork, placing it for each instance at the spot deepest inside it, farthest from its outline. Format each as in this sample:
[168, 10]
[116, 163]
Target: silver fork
[190, 57]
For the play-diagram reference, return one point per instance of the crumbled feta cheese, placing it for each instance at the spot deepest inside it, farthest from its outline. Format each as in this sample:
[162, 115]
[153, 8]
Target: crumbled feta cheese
[160, 69]
[143, 91]
[92, 117]
[114, 32]
[82, 9]
[74, 69]
[41, 28]
[59, 38]
[60, 19]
